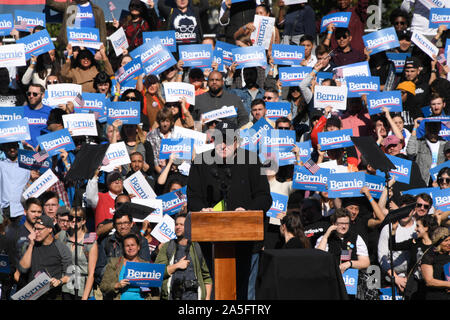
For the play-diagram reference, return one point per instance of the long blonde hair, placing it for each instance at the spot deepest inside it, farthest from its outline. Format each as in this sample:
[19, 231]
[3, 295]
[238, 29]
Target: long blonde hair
[438, 234]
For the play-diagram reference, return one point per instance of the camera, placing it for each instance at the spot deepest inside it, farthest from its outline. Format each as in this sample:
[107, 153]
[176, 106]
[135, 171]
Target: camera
[180, 286]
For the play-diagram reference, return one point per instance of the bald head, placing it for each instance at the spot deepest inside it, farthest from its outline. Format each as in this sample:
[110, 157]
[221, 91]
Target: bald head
[215, 82]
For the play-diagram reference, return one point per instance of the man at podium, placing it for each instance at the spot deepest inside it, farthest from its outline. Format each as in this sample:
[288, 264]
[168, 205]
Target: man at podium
[229, 178]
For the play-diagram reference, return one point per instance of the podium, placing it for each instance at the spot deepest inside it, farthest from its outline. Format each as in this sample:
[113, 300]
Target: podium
[223, 228]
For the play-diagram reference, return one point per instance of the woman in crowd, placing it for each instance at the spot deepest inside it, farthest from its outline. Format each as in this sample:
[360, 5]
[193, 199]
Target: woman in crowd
[292, 231]
[41, 67]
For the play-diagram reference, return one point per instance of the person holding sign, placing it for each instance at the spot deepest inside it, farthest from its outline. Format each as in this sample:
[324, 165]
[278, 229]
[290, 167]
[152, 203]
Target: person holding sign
[345, 53]
[40, 68]
[114, 285]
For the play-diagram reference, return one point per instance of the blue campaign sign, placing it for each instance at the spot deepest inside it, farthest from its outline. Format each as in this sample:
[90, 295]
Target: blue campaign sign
[381, 40]
[350, 277]
[434, 171]
[83, 35]
[258, 130]
[246, 57]
[389, 99]
[6, 24]
[344, 185]
[403, 169]
[292, 76]
[426, 111]
[279, 204]
[439, 16]
[159, 63]
[282, 158]
[54, 141]
[305, 150]
[172, 202]
[416, 191]
[322, 75]
[277, 140]
[305, 180]
[447, 271]
[335, 139]
[339, 19]
[28, 20]
[358, 86]
[375, 184]
[11, 113]
[4, 264]
[386, 294]
[14, 130]
[167, 38]
[148, 50]
[93, 103]
[143, 274]
[26, 161]
[227, 51]
[182, 147]
[277, 110]
[444, 132]
[37, 43]
[246, 142]
[288, 55]
[129, 71]
[441, 199]
[218, 58]
[128, 112]
[196, 55]
[398, 59]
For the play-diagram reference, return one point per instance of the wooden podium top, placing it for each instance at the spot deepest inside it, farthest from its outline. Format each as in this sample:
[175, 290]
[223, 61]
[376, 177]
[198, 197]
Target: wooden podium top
[218, 226]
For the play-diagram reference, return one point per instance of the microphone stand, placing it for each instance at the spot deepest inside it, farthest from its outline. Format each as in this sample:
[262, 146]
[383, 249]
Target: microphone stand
[391, 254]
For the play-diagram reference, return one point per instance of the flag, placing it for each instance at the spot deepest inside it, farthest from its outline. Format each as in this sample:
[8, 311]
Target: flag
[105, 161]
[111, 6]
[346, 255]
[311, 166]
[90, 237]
[79, 99]
[40, 156]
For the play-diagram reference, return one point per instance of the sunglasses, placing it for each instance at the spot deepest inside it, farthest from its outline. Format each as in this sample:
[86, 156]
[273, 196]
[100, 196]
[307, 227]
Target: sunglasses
[128, 98]
[283, 128]
[35, 94]
[78, 219]
[425, 206]
[52, 82]
[442, 180]
[267, 98]
[344, 36]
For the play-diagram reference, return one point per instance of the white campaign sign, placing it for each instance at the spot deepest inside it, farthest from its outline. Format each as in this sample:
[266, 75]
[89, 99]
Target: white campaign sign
[165, 229]
[175, 91]
[424, 44]
[325, 96]
[62, 93]
[80, 124]
[12, 55]
[119, 41]
[34, 289]
[41, 185]
[154, 217]
[137, 185]
[223, 112]
[263, 31]
[117, 155]
[180, 132]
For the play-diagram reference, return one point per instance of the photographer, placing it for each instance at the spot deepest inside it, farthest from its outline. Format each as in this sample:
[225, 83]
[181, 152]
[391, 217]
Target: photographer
[187, 276]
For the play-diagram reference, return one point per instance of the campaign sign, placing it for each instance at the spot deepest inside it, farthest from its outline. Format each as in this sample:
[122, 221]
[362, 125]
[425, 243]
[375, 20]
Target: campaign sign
[339, 19]
[28, 20]
[375, 184]
[262, 35]
[333, 166]
[434, 171]
[389, 99]
[128, 112]
[304, 180]
[167, 38]
[279, 204]
[291, 2]
[165, 229]
[119, 41]
[11, 113]
[282, 158]
[12, 55]
[350, 277]
[358, 86]
[27, 161]
[335, 139]
[227, 51]
[129, 71]
[398, 59]
[196, 55]
[93, 103]
[277, 110]
[292, 76]
[37, 44]
[359, 69]
[84, 37]
[344, 185]
[334, 96]
[402, 171]
[4, 264]
[181, 147]
[54, 141]
[34, 289]
[258, 130]
[148, 50]
[14, 130]
[143, 274]
[137, 184]
[159, 63]
[130, 84]
[429, 4]
[224, 112]
[62, 93]
[424, 44]
[173, 201]
[288, 55]
[246, 57]
[38, 187]
[245, 136]
[439, 16]
[441, 199]
[6, 24]
[280, 140]
[416, 191]
[117, 155]
[80, 124]
[381, 40]
[305, 150]
[386, 294]
[447, 271]
[322, 75]
[218, 58]
[155, 216]
[198, 137]
[175, 91]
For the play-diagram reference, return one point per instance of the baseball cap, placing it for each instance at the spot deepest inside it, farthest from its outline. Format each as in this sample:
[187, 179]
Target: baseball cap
[389, 140]
[113, 176]
[226, 128]
[412, 62]
[45, 221]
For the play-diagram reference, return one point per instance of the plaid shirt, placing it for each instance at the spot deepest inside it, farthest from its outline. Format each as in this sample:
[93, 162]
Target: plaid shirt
[134, 31]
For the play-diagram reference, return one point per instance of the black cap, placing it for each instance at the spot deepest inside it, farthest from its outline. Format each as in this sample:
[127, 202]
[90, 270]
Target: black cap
[412, 62]
[45, 221]
[113, 176]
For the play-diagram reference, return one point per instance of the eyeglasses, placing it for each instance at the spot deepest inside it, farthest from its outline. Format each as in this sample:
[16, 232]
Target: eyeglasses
[423, 205]
[52, 82]
[268, 98]
[128, 98]
[442, 180]
[35, 94]
[78, 219]
[400, 23]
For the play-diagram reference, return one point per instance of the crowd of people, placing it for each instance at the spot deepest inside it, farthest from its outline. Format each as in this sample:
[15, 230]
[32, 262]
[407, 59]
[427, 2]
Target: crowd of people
[85, 226]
